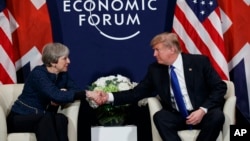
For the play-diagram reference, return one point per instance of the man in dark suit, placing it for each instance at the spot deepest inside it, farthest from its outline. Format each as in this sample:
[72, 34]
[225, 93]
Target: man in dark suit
[201, 87]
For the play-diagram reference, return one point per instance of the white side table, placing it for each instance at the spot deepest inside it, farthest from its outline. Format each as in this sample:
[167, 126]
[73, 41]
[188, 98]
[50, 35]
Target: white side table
[114, 133]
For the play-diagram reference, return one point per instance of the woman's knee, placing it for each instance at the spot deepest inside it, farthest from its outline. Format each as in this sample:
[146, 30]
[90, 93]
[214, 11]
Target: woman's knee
[61, 117]
[157, 116]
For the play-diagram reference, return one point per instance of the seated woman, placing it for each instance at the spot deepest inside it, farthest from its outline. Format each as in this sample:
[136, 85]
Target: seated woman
[46, 87]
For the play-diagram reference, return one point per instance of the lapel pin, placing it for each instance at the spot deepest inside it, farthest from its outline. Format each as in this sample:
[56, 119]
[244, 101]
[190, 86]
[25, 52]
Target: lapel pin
[190, 69]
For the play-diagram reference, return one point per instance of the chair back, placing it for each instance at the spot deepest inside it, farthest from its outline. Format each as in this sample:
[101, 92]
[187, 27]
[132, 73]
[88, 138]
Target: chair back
[230, 89]
[8, 95]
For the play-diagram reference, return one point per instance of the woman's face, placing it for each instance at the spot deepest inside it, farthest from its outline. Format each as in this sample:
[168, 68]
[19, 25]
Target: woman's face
[62, 64]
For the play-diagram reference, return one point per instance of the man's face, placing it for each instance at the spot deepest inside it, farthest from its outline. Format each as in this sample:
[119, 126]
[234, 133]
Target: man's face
[163, 54]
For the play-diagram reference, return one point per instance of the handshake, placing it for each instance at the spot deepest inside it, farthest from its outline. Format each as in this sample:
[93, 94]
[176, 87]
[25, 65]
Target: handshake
[96, 98]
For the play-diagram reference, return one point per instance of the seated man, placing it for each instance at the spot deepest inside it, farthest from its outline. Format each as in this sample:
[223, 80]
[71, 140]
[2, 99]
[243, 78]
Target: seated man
[200, 88]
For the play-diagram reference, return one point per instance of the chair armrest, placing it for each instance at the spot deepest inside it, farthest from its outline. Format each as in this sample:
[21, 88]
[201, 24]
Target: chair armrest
[229, 112]
[154, 105]
[229, 108]
[3, 126]
[71, 110]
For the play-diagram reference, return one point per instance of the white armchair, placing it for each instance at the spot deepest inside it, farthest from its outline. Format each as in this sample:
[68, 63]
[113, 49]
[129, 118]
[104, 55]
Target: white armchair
[190, 135]
[9, 93]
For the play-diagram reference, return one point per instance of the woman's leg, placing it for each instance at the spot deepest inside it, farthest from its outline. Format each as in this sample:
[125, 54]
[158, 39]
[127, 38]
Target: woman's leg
[40, 124]
[22, 123]
[86, 119]
[46, 130]
[61, 124]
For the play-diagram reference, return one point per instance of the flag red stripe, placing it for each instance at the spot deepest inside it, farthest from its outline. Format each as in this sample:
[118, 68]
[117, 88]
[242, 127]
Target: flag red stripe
[6, 44]
[6, 13]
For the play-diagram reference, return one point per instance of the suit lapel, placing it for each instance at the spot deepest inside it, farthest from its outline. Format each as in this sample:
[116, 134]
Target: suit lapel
[165, 82]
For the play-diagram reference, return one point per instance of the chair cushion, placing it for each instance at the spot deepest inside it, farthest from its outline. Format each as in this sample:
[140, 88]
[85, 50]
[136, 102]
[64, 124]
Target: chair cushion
[191, 135]
[188, 135]
[21, 137]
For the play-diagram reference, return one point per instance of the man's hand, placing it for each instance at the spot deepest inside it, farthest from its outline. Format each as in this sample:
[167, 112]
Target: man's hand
[53, 103]
[195, 117]
[99, 97]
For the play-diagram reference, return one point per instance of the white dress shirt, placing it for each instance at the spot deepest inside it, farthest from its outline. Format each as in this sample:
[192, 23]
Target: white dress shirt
[178, 64]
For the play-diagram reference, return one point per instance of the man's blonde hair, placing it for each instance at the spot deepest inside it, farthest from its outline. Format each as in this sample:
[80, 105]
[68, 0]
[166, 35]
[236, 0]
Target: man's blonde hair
[168, 39]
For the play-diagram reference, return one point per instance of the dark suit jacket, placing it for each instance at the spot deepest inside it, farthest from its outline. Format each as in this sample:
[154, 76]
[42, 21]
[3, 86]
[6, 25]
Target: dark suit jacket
[204, 85]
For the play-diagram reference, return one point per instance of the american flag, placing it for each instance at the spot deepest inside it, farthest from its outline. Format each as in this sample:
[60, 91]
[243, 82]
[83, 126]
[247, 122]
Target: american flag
[7, 63]
[220, 31]
[198, 24]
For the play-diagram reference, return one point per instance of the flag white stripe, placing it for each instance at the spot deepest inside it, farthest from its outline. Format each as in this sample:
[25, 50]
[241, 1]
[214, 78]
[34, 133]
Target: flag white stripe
[5, 25]
[33, 56]
[216, 22]
[13, 24]
[7, 64]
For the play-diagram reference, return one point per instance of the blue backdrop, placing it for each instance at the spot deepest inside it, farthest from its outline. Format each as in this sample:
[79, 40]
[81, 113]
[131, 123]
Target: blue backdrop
[109, 36]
